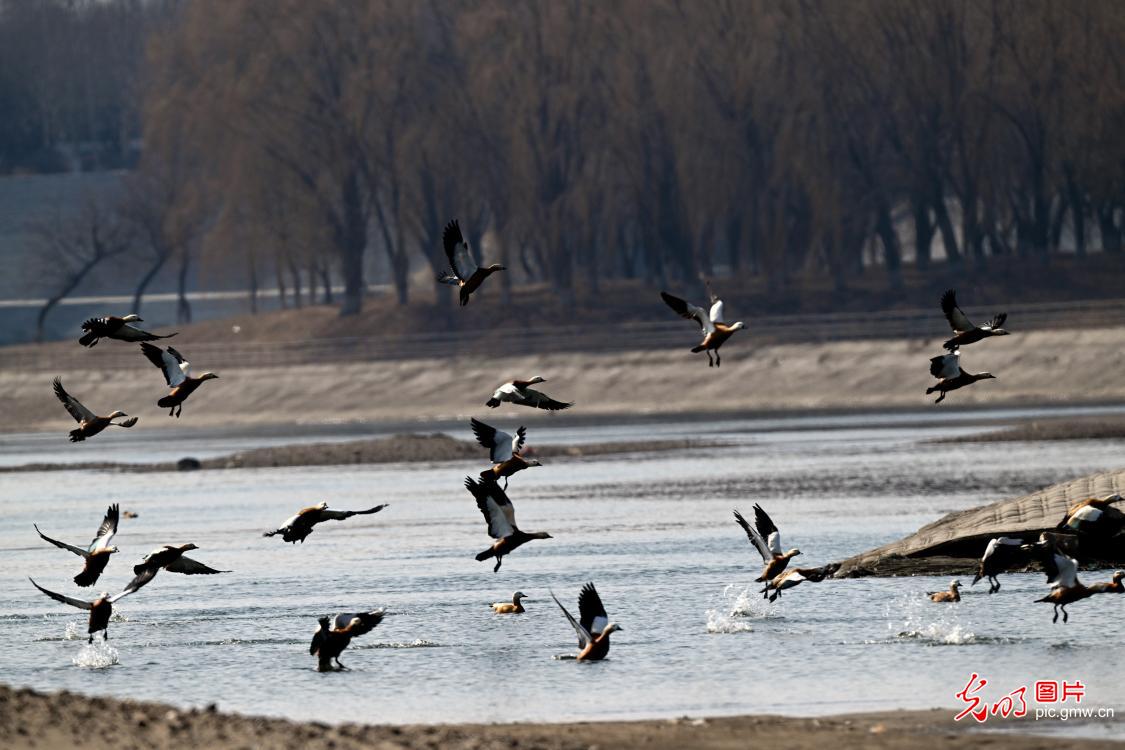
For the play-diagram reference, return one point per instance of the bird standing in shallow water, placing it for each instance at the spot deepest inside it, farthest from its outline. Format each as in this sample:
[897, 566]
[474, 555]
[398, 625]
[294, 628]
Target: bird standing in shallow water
[715, 331]
[113, 327]
[300, 525]
[333, 635]
[467, 275]
[89, 424]
[953, 595]
[767, 540]
[965, 332]
[593, 627]
[97, 553]
[947, 369]
[500, 516]
[177, 374]
[521, 393]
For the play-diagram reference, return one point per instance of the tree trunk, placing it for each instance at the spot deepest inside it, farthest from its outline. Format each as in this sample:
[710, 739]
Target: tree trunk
[948, 236]
[1111, 233]
[146, 280]
[923, 232]
[253, 269]
[183, 307]
[892, 254]
[352, 245]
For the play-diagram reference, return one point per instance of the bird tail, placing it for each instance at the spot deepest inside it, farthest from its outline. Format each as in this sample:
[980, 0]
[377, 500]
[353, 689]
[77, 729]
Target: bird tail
[85, 579]
[275, 532]
[976, 579]
[1044, 599]
[698, 349]
[486, 554]
[167, 402]
[154, 337]
[89, 339]
[492, 403]
[951, 345]
[931, 390]
[447, 278]
[77, 436]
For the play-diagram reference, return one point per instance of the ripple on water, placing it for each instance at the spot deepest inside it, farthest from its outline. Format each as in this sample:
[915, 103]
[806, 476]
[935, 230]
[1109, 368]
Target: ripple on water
[912, 617]
[96, 655]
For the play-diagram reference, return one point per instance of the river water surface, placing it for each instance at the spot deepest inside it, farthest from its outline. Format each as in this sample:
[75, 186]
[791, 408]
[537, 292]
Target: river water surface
[653, 531]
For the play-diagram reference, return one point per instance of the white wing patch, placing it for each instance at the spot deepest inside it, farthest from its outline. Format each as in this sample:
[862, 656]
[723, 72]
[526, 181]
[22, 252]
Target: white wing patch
[717, 312]
[775, 543]
[177, 372]
[498, 525]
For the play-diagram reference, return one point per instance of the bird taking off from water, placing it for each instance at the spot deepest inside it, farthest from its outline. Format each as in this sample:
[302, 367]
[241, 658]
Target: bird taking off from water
[96, 553]
[593, 626]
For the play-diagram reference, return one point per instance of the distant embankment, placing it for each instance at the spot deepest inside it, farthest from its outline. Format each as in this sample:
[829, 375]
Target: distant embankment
[954, 544]
[395, 449]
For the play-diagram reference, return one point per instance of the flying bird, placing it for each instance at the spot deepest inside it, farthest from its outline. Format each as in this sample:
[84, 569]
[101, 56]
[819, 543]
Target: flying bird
[300, 525]
[89, 424]
[947, 369]
[514, 607]
[500, 516]
[715, 330]
[177, 373]
[169, 557]
[466, 273]
[521, 393]
[96, 553]
[965, 332]
[504, 450]
[953, 595]
[767, 540]
[791, 577]
[333, 635]
[101, 609]
[1001, 554]
[593, 626]
[113, 327]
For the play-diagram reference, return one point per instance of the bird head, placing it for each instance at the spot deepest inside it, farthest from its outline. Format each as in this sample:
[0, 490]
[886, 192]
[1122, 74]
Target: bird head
[497, 267]
[955, 584]
[737, 326]
[537, 379]
[543, 535]
[133, 318]
[534, 462]
[117, 414]
[1118, 575]
[519, 595]
[612, 627]
[111, 550]
[208, 376]
[324, 622]
[793, 552]
[188, 546]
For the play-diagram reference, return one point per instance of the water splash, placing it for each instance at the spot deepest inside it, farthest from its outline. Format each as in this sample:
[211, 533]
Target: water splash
[72, 632]
[910, 616]
[96, 655]
[737, 604]
[417, 643]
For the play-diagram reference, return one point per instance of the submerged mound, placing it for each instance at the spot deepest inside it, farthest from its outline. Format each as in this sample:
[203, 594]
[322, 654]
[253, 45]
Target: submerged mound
[954, 543]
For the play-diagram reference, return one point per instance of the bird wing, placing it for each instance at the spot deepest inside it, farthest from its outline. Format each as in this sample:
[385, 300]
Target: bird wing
[584, 637]
[317, 639]
[62, 545]
[717, 311]
[946, 366]
[340, 515]
[170, 362]
[73, 406]
[495, 506]
[540, 400]
[957, 319]
[60, 598]
[767, 530]
[107, 529]
[500, 444]
[591, 612]
[997, 321]
[1062, 570]
[190, 567]
[755, 538]
[519, 439]
[689, 311]
[358, 623]
[142, 578]
[1000, 545]
[457, 250]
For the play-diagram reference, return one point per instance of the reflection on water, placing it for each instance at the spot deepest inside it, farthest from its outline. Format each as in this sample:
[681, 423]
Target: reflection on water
[653, 531]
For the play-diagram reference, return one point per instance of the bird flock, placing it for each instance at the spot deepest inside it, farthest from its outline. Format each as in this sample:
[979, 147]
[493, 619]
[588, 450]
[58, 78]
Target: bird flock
[509, 454]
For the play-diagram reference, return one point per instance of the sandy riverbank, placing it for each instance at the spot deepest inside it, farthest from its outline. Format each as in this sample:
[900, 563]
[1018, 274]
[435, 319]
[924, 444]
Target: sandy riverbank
[63, 721]
[1043, 367]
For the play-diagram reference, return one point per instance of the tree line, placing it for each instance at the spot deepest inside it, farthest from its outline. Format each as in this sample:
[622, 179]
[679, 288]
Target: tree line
[651, 139]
